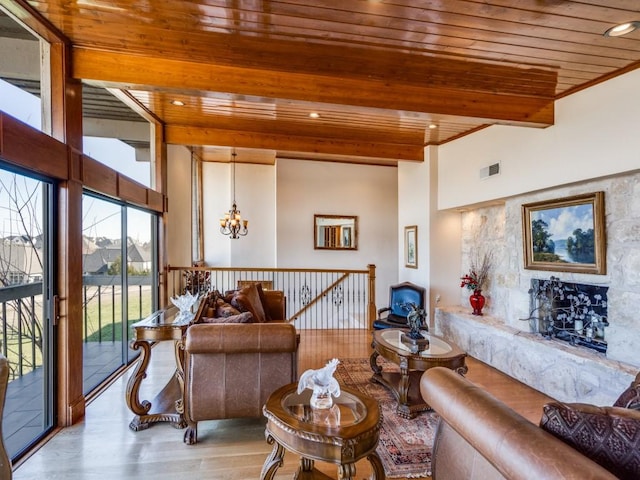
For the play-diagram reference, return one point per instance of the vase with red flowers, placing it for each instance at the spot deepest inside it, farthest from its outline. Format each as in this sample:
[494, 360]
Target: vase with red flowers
[475, 280]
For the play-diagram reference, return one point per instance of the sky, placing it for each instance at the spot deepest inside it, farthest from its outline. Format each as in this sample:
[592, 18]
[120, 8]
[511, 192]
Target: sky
[99, 216]
[114, 153]
[563, 221]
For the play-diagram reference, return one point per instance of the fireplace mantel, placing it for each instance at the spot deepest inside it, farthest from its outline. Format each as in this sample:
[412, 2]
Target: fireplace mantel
[565, 372]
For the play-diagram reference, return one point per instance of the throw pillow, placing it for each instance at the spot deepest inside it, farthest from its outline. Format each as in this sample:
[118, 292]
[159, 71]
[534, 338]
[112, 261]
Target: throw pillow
[244, 317]
[263, 301]
[609, 436]
[276, 304]
[224, 309]
[247, 299]
[630, 398]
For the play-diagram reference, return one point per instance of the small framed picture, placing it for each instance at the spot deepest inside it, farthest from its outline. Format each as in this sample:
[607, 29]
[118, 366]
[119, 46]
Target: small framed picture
[565, 235]
[411, 246]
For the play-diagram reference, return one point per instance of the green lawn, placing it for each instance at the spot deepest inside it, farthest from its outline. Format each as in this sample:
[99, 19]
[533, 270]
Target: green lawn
[102, 322]
[104, 318]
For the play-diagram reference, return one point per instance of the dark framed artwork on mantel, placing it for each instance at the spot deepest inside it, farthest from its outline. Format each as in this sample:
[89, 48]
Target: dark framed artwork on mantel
[565, 234]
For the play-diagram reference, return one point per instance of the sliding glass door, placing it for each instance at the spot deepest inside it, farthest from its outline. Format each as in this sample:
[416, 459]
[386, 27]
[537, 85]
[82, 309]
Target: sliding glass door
[26, 299]
[142, 268]
[119, 282]
[102, 290]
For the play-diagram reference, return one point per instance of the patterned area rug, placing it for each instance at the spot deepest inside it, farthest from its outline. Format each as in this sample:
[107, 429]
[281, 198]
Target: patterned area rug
[405, 445]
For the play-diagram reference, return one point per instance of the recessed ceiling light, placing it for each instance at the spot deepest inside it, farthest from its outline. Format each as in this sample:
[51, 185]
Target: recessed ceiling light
[432, 126]
[314, 115]
[622, 29]
[177, 103]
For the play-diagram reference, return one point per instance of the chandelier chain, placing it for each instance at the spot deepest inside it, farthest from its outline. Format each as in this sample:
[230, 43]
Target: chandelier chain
[232, 223]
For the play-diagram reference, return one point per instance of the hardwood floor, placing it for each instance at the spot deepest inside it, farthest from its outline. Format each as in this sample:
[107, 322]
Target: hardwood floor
[103, 447]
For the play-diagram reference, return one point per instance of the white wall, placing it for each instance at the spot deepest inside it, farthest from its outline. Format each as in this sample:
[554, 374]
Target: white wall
[255, 198]
[438, 263]
[305, 188]
[413, 209]
[216, 190]
[179, 212]
[596, 133]
[444, 231]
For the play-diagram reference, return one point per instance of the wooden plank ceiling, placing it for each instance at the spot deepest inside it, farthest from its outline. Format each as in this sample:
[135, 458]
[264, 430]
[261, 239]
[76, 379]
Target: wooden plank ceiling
[386, 77]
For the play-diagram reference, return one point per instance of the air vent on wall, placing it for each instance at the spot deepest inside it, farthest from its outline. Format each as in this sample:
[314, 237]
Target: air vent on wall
[490, 171]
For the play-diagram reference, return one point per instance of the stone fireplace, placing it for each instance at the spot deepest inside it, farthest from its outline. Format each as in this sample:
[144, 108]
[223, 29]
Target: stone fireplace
[563, 371]
[572, 312]
[548, 350]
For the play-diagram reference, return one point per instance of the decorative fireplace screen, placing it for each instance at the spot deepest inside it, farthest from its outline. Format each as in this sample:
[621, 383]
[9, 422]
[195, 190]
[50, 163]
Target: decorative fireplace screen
[573, 312]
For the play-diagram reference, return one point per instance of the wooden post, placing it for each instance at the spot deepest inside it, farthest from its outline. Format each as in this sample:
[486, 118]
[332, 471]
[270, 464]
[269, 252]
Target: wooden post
[63, 118]
[159, 158]
[372, 294]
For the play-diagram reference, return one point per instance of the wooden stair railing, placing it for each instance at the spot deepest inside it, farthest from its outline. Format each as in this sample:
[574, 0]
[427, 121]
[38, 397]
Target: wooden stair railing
[316, 298]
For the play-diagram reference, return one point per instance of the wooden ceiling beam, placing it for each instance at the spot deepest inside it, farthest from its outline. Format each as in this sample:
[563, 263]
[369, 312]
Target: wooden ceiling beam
[146, 72]
[130, 101]
[190, 135]
[320, 128]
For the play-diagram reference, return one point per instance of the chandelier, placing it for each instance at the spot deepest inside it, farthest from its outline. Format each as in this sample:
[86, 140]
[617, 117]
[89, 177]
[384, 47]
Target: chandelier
[232, 224]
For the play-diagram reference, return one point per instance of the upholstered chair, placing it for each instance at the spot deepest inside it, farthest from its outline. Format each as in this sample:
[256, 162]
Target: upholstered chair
[400, 297]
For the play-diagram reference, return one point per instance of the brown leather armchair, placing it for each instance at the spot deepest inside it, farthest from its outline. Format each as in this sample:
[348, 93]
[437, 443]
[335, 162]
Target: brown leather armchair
[231, 369]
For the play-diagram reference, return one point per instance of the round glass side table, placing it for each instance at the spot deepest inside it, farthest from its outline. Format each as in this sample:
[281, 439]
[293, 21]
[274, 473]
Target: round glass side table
[342, 434]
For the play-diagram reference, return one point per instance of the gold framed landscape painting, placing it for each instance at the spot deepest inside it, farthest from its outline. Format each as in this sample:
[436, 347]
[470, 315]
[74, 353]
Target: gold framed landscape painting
[566, 234]
[411, 246]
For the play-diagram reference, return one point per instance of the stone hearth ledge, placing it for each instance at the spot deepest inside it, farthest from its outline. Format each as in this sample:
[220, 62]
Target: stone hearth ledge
[565, 372]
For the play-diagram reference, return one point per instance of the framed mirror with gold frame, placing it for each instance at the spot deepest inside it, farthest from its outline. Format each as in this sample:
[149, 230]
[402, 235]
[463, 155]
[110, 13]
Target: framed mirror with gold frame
[335, 232]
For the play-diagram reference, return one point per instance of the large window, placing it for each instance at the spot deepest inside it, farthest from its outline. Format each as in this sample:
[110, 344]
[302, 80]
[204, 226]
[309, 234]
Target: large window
[119, 278]
[119, 244]
[20, 73]
[142, 268]
[102, 290]
[115, 135]
[25, 306]
[120, 156]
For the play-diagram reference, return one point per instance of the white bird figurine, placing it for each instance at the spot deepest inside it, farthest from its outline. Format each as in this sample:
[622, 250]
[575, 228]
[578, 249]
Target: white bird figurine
[185, 302]
[321, 381]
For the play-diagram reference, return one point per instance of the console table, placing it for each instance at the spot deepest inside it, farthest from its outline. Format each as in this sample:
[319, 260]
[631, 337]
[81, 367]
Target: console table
[166, 406]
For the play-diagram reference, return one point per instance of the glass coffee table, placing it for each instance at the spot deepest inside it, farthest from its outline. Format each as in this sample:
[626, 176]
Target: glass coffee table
[405, 384]
[342, 434]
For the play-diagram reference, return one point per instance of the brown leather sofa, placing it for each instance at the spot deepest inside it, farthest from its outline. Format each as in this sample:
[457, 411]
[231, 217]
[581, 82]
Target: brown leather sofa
[232, 368]
[479, 437]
